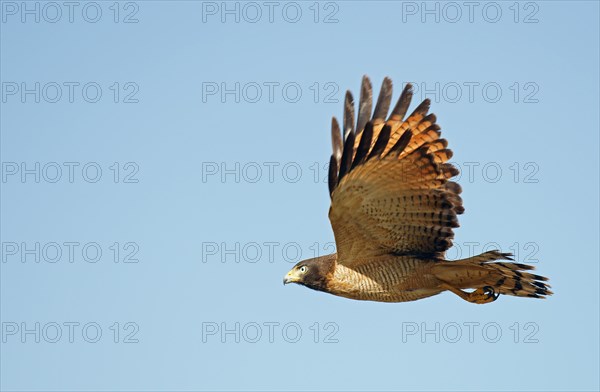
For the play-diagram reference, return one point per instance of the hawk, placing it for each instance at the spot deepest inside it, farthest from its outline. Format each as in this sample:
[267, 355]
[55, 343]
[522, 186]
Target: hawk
[393, 211]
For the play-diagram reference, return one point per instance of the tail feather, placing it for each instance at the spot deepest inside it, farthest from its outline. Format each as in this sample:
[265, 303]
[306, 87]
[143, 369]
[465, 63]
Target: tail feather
[483, 270]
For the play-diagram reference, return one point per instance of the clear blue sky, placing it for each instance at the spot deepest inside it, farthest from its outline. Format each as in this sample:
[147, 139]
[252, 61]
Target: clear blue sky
[190, 147]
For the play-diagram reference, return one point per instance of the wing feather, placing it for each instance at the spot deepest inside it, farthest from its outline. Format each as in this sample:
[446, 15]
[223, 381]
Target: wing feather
[382, 141]
[364, 145]
[384, 100]
[391, 192]
[336, 139]
[365, 104]
[348, 114]
[333, 173]
[403, 103]
[347, 155]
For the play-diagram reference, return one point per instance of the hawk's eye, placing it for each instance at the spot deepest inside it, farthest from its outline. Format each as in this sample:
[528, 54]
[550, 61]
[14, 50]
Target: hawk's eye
[303, 269]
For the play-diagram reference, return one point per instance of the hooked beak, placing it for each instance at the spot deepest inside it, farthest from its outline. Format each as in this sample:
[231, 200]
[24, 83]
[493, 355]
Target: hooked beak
[290, 278]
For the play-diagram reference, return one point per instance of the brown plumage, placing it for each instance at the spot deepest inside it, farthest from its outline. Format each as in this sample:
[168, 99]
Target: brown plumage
[393, 210]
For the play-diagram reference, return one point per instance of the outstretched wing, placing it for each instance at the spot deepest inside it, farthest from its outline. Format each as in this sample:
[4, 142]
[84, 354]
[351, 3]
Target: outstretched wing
[389, 181]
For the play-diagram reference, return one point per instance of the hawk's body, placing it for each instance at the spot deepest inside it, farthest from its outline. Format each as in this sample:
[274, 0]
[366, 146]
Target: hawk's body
[386, 279]
[393, 209]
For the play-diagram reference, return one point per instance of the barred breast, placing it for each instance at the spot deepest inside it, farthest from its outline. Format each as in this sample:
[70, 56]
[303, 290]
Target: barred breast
[388, 279]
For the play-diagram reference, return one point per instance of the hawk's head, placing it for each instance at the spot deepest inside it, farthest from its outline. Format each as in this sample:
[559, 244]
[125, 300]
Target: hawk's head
[313, 273]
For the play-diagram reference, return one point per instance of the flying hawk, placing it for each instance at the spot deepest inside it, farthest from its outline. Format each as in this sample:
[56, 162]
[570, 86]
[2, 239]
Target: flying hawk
[393, 208]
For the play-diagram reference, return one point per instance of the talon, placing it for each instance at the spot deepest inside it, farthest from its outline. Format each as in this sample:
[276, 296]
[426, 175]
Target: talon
[491, 292]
